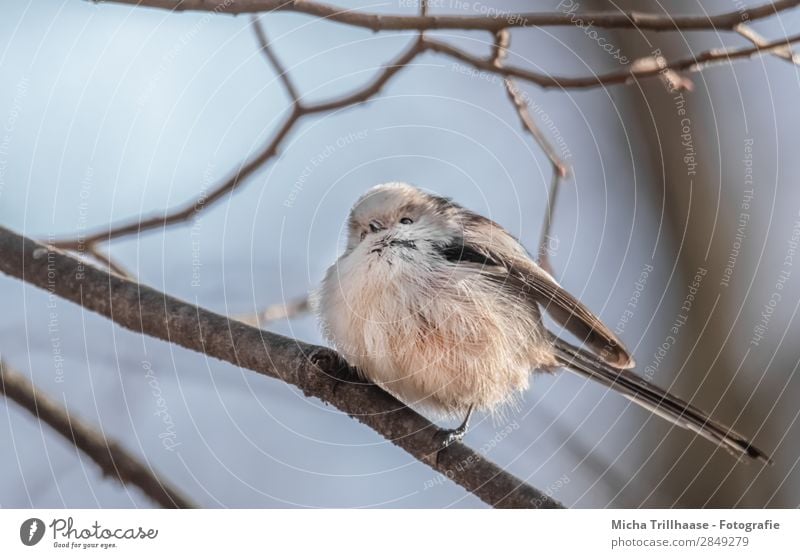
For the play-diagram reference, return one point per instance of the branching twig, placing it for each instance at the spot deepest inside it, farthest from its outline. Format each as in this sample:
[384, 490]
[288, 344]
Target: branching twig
[672, 80]
[97, 254]
[502, 39]
[114, 461]
[751, 35]
[383, 22]
[316, 371]
[188, 210]
[693, 63]
[272, 58]
[183, 213]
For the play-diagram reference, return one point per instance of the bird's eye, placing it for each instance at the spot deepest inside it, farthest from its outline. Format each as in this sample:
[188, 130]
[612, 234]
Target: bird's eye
[406, 220]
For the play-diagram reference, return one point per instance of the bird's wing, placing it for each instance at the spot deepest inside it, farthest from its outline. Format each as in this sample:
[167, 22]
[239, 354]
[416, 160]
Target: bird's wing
[501, 257]
[573, 315]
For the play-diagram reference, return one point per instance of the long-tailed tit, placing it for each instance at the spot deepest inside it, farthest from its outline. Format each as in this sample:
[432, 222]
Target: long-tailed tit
[443, 308]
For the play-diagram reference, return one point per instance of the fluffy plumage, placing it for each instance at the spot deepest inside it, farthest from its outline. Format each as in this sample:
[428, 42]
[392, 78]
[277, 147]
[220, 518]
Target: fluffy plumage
[442, 307]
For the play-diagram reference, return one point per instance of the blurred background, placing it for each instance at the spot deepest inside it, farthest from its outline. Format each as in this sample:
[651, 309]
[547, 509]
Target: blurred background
[111, 111]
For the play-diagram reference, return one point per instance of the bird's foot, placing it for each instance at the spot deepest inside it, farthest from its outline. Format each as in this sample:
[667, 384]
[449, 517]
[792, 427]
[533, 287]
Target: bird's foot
[446, 438]
[336, 367]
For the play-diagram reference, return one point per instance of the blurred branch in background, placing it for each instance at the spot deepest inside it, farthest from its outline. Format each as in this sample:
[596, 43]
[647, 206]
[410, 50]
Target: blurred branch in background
[640, 69]
[114, 461]
[247, 168]
[503, 20]
[686, 475]
[692, 63]
[317, 371]
[751, 35]
[274, 61]
[560, 171]
[185, 212]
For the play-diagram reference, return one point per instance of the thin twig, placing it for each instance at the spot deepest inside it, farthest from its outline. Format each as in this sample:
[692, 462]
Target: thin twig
[187, 211]
[692, 64]
[317, 371]
[113, 459]
[113, 266]
[751, 35]
[183, 213]
[547, 225]
[517, 98]
[672, 80]
[386, 22]
[273, 60]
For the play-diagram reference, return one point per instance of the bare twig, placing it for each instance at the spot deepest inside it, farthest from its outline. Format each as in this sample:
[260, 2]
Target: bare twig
[273, 60]
[385, 22]
[672, 80]
[114, 461]
[316, 371]
[185, 212]
[751, 35]
[97, 254]
[547, 225]
[517, 98]
[692, 64]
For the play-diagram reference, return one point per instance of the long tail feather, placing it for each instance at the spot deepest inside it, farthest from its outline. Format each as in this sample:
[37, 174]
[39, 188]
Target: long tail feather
[655, 399]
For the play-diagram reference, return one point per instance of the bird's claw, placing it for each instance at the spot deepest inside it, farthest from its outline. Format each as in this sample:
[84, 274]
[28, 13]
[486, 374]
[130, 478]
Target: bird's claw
[446, 438]
[449, 437]
[332, 364]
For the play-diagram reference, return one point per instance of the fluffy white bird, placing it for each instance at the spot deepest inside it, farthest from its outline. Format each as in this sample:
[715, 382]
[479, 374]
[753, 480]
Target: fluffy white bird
[442, 308]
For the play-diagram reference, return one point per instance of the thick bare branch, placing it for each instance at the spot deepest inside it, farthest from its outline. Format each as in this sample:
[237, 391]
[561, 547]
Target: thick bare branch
[381, 22]
[316, 371]
[113, 459]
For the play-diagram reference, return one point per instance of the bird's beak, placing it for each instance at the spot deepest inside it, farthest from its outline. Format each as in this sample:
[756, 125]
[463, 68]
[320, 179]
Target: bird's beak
[375, 226]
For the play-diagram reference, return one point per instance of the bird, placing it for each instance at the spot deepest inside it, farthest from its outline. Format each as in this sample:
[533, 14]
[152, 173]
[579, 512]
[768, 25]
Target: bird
[443, 308]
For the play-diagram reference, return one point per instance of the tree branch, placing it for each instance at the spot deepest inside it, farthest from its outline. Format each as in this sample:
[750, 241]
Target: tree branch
[751, 35]
[114, 461]
[518, 99]
[381, 22]
[316, 371]
[185, 212]
[693, 63]
[273, 60]
[94, 251]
